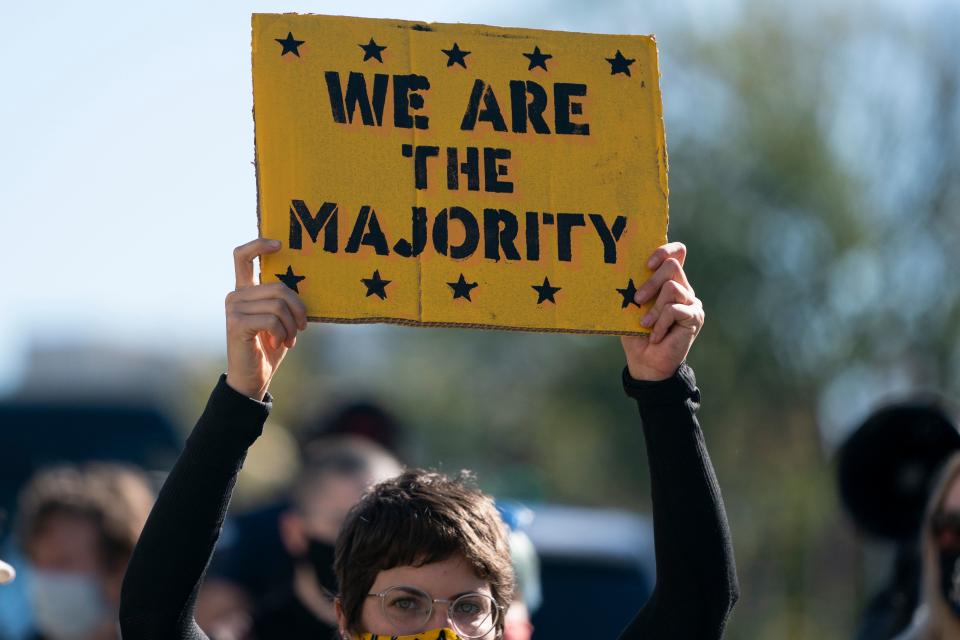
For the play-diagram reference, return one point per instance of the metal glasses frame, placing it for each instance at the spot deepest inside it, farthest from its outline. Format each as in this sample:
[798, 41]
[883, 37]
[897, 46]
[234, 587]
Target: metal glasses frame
[497, 607]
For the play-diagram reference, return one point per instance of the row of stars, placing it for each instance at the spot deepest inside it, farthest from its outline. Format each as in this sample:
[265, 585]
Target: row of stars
[372, 51]
[377, 286]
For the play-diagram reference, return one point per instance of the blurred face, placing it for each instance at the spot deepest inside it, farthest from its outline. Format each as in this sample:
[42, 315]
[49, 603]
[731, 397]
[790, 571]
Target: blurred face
[66, 544]
[947, 521]
[446, 579]
[951, 501]
[329, 503]
[946, 532]
[309, 533]
[73, 595]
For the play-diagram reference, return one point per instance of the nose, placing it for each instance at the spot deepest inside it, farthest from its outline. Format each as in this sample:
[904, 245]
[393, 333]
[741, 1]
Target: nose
[440, 616]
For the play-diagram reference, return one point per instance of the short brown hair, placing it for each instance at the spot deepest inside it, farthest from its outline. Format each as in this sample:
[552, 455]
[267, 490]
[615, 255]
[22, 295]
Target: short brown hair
[115, 498]
[415, 519]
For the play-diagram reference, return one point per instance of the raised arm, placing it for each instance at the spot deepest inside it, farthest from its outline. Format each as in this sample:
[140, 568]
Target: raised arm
[167, 567]
[696, 578]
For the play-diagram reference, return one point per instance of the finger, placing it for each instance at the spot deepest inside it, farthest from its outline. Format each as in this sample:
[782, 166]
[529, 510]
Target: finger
[249, 326]
[243, 259]
[671, 269]
[272, 306]
[684, 315]
[671, 292]
[676, 250]
[276, 290]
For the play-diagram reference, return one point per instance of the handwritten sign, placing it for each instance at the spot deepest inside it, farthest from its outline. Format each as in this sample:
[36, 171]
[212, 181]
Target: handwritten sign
[459, 175]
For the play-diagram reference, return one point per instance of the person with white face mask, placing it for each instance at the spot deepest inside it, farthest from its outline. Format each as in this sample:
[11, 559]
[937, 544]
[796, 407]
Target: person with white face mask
[78, 527]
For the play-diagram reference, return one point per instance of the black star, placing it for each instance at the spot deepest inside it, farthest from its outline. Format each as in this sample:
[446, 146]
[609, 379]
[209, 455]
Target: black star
[290, 45]
[456, 56]
[538, 59]
[376, 285]
[371, 50]
[545, 291]
[619, 64]
[290, 278]
[628, 294]
[461, 288]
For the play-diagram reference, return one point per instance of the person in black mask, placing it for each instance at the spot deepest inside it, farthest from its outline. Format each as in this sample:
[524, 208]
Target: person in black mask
[337, 471]
[939, 615]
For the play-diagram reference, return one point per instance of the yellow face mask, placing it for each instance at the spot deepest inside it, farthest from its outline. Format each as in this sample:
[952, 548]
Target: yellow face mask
[433, 634]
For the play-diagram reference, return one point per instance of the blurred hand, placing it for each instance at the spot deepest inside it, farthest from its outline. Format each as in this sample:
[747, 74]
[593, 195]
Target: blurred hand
[7, 574]
[262, 323]
[674, 321]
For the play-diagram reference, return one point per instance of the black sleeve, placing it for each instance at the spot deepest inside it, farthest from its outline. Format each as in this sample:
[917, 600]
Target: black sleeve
[696, 578]
[167, 567]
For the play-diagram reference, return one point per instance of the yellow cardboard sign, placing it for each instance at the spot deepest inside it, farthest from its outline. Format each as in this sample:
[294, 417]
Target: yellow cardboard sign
[459, 175]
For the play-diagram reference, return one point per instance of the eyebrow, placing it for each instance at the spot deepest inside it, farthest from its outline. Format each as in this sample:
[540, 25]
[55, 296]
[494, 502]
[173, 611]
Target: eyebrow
[467, 593]
[416, 591]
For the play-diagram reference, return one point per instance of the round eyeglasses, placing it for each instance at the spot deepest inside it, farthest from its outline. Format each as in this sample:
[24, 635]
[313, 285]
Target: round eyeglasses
[473, 615]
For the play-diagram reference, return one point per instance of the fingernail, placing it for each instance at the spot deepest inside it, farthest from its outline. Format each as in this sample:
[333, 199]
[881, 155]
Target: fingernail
[275, 244]
[645, 321]
[652, 262]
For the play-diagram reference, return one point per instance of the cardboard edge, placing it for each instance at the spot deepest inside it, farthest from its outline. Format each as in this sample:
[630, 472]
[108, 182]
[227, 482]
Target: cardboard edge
[663, 162]
[428, 25]
[253, 114]
[470, 325]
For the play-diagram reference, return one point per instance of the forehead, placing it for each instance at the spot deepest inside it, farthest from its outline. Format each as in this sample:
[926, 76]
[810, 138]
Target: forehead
[65, 542]
[334, 494]
[442, 579]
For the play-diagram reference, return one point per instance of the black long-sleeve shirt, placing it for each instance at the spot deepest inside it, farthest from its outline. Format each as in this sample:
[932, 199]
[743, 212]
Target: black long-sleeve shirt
[696, 583]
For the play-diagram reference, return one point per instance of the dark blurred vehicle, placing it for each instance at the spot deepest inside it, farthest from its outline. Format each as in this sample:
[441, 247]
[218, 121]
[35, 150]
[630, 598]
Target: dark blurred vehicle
[597, 568]
[37, 434]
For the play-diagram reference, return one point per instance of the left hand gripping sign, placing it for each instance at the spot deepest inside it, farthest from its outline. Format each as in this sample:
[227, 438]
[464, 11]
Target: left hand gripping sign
[459, 175]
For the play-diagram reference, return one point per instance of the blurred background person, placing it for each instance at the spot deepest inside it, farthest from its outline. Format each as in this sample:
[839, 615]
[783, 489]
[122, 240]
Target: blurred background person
[336, 471]
[526, 569]
[362, 417]
[938, 617]
[224, 608]
[78, 527]
[887, 469]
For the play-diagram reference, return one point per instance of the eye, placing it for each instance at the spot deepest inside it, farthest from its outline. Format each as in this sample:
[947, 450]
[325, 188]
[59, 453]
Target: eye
[469, 608]
[472, 606]
[406, 604]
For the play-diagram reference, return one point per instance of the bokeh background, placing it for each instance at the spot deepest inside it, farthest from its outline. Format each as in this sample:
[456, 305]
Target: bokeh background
[814, 173]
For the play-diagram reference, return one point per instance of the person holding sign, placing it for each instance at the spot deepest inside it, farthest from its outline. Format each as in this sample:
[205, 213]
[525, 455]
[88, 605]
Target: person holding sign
[423, 555]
